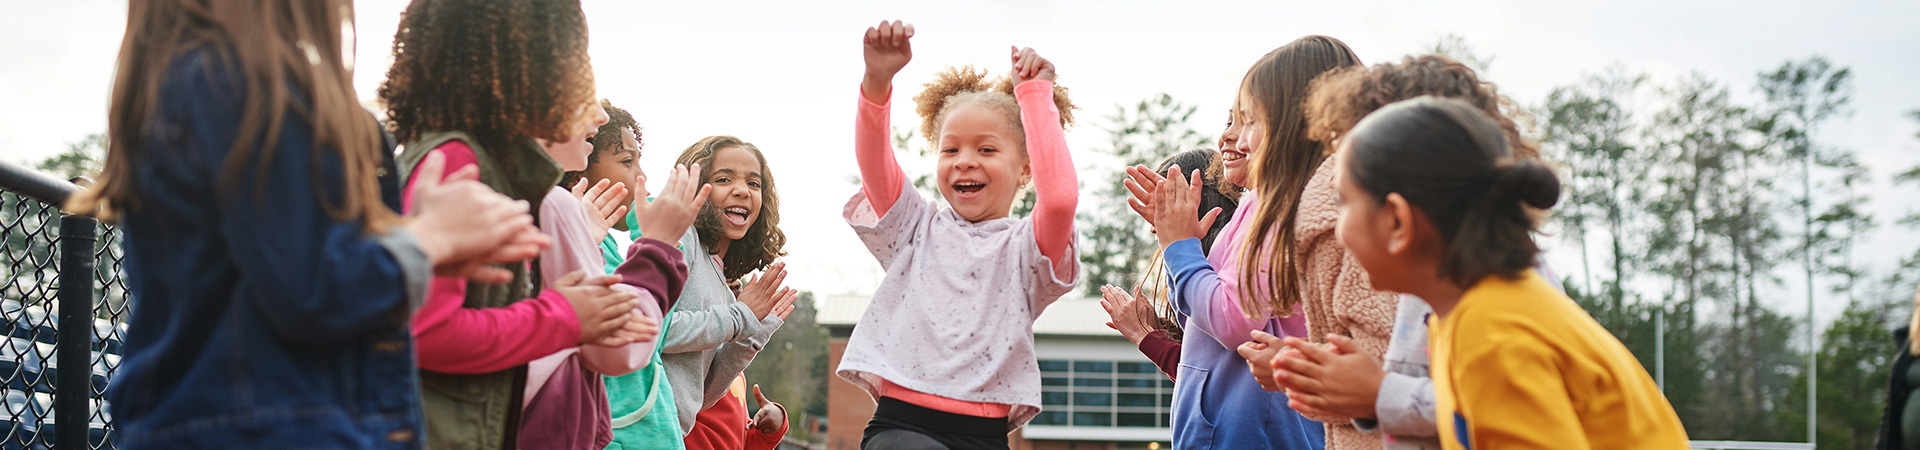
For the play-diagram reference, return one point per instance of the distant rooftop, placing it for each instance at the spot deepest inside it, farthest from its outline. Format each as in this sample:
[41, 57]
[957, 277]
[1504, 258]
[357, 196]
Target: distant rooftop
[1071, 316]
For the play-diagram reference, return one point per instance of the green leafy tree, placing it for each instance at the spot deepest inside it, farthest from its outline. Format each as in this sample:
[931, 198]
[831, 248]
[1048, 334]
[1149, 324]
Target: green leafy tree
[81, 159]
[1117, 246]
[792, 368]
[1589, 128]
[1454, 46]
[1705, 205]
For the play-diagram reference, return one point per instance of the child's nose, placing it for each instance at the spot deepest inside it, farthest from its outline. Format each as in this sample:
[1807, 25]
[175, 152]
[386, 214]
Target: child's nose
[967, 161]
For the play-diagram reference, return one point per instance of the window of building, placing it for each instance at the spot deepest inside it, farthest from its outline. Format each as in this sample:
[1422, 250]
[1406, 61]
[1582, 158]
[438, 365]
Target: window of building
[1103, 393]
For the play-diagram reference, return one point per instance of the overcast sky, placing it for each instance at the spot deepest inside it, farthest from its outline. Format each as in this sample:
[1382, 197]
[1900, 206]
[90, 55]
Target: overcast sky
[784, 74]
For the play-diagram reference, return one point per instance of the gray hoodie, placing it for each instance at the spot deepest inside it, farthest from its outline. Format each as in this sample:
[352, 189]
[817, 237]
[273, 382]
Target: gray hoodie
[713, 338]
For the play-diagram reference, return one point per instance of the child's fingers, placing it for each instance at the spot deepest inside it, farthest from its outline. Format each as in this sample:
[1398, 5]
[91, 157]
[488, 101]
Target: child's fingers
[1299, 370]
[604, 280]
[1310, 350]
[701, 198]
[428, 175]
[1207, 222]
[619, 212]
[1266, 338]
[571, 279]
[787, 297]
[760, 399]
[1141, 209]
[1342, 344]
[1157, 179]
[579, 188]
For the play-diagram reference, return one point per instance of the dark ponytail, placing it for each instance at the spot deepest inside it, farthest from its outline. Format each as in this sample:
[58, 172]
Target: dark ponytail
[1452, 162]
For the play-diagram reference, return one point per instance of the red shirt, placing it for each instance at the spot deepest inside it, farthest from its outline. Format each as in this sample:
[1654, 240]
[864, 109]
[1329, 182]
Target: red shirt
[726, 426]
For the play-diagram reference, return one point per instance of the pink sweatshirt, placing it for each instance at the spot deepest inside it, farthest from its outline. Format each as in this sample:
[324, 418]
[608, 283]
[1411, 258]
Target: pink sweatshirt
[451, 338]
[563, 217]
[1222, 318]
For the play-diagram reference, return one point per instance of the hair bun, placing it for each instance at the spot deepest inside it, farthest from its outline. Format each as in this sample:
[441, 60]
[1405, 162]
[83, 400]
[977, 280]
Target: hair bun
[1530, 181]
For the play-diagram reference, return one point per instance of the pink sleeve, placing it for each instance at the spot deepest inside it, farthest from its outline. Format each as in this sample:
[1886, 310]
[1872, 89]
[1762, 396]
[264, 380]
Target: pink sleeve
[1055, 184]
[880, 174]
[452, 338]
[564, 218]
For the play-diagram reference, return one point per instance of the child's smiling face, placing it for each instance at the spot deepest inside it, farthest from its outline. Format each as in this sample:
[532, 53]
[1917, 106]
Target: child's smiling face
[572, 154]
[983, 162]
[736, 180]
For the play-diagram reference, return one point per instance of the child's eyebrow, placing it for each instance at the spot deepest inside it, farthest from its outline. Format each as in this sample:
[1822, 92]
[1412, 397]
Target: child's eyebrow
[750, 173]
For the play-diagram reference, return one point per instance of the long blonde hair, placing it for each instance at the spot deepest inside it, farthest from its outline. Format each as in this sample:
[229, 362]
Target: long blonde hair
[287, 53]
[1913, 328]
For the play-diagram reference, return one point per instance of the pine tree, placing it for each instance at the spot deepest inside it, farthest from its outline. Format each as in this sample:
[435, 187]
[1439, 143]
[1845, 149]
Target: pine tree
[1117, 245]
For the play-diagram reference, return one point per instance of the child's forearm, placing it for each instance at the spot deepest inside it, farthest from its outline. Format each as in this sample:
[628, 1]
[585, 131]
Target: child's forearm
[880, 174]
[453, 338]
[1055, 184]
[1208, 297]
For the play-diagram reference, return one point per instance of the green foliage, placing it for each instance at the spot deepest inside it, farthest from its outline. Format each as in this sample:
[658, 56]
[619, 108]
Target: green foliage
[792, 369]
[1698, 206]
[81, 159]
[1117, 246]
[1454, 46]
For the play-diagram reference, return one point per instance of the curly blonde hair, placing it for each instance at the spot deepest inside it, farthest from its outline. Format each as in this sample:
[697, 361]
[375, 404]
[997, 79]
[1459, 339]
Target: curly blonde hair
[964, 85]
[1340, 98]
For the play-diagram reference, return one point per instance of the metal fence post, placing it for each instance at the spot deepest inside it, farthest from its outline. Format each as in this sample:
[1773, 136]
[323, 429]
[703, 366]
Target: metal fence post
[74, 385]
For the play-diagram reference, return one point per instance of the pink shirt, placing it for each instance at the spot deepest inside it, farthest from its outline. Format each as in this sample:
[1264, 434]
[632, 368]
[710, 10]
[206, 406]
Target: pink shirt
[451, 338]
[564, 218]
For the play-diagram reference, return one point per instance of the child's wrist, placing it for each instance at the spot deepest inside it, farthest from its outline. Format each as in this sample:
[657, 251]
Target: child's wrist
[433, 245]
[877, 87]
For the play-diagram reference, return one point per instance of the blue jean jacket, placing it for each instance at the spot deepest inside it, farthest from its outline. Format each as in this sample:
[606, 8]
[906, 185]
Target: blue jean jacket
[259, 321]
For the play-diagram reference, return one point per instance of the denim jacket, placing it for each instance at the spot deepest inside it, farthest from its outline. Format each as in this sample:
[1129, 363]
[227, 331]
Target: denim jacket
[259, 321]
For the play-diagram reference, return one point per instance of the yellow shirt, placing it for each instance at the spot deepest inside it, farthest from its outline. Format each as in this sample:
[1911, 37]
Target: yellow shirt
[1517, 364]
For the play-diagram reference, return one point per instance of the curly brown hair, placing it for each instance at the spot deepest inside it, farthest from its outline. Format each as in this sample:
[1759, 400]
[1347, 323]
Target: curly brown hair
[764, 241]
[499, 70]
[957, 86]
[1342, 97]
[607, 139]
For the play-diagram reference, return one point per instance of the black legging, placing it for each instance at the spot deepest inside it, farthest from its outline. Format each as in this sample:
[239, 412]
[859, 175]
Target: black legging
[899, 425]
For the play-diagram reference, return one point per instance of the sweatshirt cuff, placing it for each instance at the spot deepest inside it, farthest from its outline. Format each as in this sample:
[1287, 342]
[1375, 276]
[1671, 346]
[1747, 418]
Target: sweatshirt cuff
[865, 102]
[1405, 406]
[765, 332]
[656, 267]
[416, 272]
[1184, 259]
[1034, 87]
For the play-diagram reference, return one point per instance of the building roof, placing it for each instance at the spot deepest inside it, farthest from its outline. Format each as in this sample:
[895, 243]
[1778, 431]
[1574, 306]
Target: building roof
[1074, 316]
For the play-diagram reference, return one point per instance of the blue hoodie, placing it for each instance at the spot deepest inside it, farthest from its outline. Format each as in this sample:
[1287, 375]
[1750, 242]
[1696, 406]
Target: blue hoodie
[1216, 402]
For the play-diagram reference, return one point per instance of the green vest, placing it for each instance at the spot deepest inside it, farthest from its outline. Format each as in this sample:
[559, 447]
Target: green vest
[483, 411]
[658, 427]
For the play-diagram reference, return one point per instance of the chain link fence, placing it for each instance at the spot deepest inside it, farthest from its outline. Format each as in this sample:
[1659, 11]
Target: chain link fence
[34, 242]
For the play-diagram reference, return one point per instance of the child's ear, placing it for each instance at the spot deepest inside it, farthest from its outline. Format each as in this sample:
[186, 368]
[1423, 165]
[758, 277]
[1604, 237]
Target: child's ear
[1400, 217]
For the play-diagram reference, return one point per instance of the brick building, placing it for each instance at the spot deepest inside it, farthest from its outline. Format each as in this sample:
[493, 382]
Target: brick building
[1098, 391]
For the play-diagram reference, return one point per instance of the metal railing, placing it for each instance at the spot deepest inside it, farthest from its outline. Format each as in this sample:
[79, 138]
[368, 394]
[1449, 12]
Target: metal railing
[64, 303]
